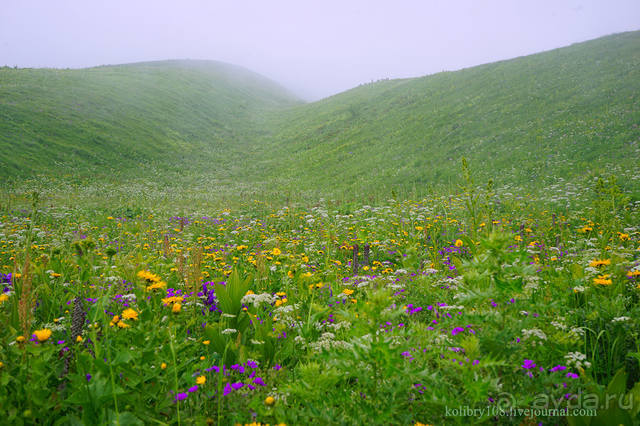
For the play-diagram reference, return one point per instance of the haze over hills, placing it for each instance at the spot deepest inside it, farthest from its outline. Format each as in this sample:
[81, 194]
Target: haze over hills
[115, 117]
[563, 113]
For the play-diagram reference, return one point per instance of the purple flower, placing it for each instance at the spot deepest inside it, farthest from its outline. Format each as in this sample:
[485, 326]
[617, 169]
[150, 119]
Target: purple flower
[277, 367]
[572, 375]
[227, 389]
[193, 388]
[457, 330]
[181, 396]
[237, 385]
[527, 364]
[88, 376]
[259, 381]
[557, 368]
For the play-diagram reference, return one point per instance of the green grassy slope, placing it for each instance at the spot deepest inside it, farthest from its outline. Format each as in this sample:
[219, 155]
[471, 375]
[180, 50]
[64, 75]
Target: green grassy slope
[116, 117]
[559, 113]
[566, 113]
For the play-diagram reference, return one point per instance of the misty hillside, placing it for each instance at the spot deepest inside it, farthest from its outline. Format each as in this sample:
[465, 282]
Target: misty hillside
[114, 117]
[562, 113]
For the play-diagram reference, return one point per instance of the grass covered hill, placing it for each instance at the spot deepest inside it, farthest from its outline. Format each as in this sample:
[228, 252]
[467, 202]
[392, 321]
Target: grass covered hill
[554, 114]
[566, 113]
[116, 117]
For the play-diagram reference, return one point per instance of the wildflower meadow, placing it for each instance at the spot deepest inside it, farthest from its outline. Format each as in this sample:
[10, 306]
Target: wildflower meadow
[475, 306]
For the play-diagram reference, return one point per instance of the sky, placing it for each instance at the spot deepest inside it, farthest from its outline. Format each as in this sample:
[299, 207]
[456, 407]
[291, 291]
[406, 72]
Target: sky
[314, 48]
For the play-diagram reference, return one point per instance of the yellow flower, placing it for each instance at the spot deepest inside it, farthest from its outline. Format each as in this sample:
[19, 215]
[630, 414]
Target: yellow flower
[163, 365]
[149, 276]
[206, 342]
[290, 274]
[122, 324]
[156, 285]
[3, 298]
[276, 251]
[43, 334]
[201, 380]
[596, 262]
[347, 291]
[20, 339]
[177, 307]
[129, 314]
[1, 364]
[79, 339]
[459, 243]
[419, 228]
[603, 280]
[172, 299]
[269, 400]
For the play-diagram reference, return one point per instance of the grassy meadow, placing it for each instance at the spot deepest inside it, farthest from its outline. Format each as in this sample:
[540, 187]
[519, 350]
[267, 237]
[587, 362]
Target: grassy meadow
[187, 243]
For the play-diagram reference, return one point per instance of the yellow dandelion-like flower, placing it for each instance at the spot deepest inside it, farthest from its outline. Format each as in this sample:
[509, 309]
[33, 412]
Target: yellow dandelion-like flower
[347, 291]
[200, 380]
[43, 334]
[163, 365]
[177, 307]
[122, 324]
[459, 243]
[596, 263]
[269, 400]
[276, 251]
[602, 280]
[129, 314]
[172, 300]
[156, 286]
[3, 298]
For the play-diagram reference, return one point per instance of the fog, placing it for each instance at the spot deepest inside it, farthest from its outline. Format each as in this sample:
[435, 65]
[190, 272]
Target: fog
[315, 49]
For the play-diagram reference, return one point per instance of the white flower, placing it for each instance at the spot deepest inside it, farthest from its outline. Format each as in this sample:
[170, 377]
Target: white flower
[620, 319]
[229, 331]
[534, 332]
[577, 359]
[258, 299]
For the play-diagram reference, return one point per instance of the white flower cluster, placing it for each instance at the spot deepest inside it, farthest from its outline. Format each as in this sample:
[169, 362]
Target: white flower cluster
[257, 299]
[576, 332]
[326, 342]
[620, 319]
[229, 331]
[558, 325]
[531, 283]
[526, 334]
[577, 359]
